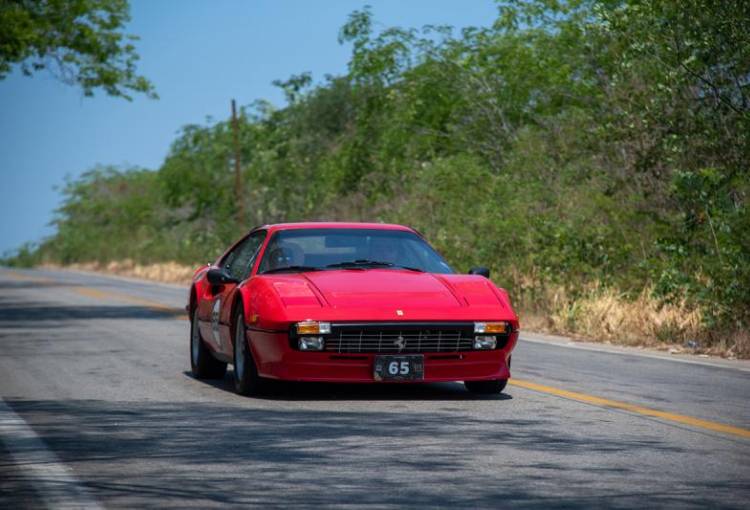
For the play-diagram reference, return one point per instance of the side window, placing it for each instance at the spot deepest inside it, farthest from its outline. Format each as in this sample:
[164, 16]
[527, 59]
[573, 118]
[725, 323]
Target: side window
[240, 261]
[265, 264]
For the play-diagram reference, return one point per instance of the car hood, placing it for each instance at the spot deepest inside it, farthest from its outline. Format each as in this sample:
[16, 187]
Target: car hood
[378, 288]
[378, 295]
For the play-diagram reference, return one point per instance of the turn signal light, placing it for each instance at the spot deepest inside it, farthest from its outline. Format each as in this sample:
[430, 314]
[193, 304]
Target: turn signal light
[491, 327]
[310, 327]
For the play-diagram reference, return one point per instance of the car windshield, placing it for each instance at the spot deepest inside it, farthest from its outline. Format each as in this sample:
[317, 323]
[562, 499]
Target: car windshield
[357, 249]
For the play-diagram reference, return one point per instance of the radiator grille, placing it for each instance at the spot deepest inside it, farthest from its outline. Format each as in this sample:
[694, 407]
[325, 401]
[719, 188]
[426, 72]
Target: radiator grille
[374, 339]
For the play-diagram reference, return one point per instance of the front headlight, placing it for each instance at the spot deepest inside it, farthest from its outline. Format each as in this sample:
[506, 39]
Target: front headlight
[485, 342]
[311, 343]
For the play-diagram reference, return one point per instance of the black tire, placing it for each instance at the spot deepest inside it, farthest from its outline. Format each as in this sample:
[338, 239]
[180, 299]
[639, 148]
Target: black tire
[202, 362]
[486, 387]
[246, 378]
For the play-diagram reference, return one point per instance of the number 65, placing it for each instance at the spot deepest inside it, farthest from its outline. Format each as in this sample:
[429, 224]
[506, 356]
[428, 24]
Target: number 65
[398, 367]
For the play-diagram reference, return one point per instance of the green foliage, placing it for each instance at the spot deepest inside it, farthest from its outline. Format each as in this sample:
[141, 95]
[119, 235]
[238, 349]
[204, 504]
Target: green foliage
[27, 255]
[571, 144]
[709, 251]
[80, 41]
[106, 214]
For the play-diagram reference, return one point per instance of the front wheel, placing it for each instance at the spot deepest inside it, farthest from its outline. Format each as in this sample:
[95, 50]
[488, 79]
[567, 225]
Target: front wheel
[246, 378]
[202, 362]
[486, 387]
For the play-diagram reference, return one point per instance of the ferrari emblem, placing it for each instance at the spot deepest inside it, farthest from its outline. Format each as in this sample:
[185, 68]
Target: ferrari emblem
[399, 313]
[400, 342]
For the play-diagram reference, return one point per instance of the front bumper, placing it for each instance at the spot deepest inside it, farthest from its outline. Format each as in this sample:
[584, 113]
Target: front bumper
[277, 360]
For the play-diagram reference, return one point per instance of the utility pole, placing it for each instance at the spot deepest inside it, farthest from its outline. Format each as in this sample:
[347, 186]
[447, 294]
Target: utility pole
[237, 173]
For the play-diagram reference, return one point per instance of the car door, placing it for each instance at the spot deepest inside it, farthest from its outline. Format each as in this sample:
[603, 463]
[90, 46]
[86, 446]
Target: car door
[238, 264]
[215, 296]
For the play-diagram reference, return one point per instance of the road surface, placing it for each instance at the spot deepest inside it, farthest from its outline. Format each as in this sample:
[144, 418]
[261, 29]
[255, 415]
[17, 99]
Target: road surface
[99, 409]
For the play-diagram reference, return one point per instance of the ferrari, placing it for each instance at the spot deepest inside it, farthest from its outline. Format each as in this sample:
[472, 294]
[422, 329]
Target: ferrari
[347, 303]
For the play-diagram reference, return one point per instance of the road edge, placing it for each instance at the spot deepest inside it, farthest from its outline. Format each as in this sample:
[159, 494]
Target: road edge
[643, 352]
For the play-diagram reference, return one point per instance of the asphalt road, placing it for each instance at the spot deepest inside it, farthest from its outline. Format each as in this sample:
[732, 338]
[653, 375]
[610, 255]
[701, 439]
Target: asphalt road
[98, 409]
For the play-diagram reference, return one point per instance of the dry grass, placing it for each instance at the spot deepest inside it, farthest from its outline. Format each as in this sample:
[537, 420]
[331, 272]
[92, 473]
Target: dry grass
[610, 316]
[739, 344]
[167, 272]
[605, 315]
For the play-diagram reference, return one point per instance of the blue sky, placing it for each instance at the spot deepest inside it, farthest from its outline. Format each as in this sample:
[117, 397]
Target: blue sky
[199, 55]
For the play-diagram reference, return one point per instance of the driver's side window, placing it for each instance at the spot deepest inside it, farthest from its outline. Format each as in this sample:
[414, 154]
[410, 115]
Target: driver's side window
[239, 262]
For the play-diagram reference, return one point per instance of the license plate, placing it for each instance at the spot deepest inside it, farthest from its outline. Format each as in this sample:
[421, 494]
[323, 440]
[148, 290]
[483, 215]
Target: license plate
[399, 368]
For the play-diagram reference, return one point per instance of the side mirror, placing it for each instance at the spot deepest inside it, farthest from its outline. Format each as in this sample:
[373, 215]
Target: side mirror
[218, 276]
[480, 270]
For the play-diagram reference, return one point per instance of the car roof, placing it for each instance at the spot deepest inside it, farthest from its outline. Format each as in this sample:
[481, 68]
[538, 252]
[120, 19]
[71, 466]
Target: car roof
[335, 224]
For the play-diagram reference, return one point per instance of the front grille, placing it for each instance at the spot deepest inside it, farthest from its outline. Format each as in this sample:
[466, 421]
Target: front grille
[399, 338]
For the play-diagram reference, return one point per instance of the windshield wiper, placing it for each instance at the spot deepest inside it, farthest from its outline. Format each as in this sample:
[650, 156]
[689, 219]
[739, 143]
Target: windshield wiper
[364, 263]
[408, 268]
[298, 269]
[360, 264]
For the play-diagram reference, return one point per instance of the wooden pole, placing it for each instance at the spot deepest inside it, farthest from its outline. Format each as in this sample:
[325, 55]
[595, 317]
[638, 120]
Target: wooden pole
[237, 173]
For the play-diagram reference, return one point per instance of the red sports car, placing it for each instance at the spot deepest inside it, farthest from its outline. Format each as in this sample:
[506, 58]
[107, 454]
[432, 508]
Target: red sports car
[347, 302]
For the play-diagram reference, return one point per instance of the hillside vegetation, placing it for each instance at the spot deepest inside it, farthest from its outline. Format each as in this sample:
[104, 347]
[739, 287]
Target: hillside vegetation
[593, 154]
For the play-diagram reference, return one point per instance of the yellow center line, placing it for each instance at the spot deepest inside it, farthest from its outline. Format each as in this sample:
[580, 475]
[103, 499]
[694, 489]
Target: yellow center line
[100, 294]
[646, 411]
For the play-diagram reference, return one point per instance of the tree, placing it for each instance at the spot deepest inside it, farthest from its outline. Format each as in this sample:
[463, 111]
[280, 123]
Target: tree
[80, 41]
